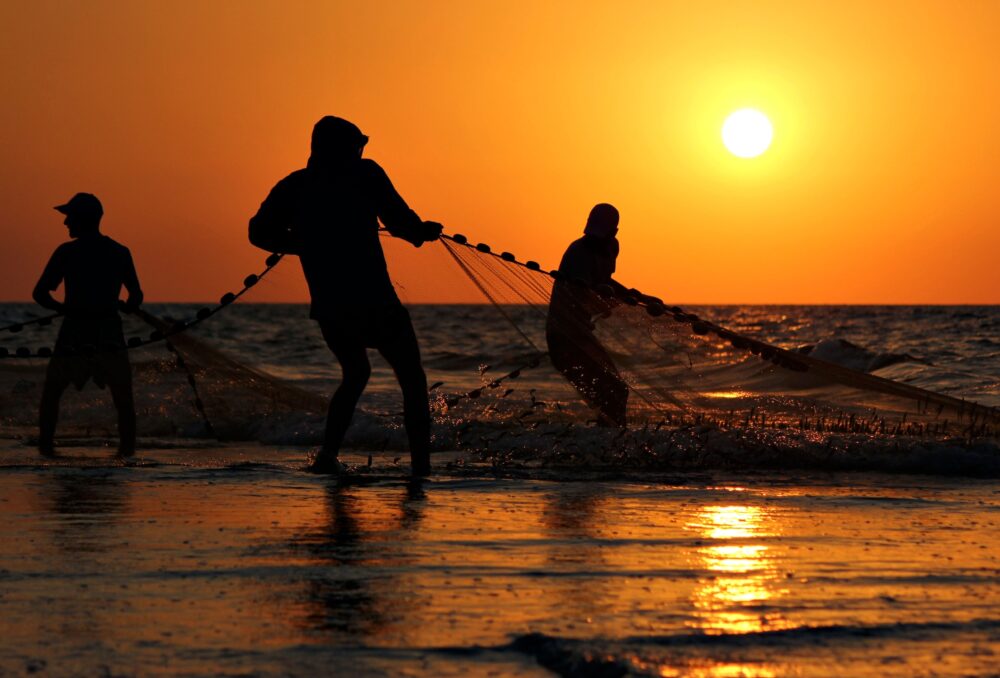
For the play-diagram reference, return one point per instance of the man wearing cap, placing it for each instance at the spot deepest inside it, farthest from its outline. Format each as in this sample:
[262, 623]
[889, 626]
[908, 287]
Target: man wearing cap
[93, 268]
[588, 263]
[328, 214]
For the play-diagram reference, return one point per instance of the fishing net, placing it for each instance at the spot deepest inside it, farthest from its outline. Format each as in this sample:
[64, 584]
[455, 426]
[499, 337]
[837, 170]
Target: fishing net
[184, 387]
[694, 387]
[681, 369]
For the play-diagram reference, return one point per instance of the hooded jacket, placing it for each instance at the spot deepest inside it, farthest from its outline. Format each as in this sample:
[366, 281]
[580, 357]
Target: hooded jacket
[328, 214]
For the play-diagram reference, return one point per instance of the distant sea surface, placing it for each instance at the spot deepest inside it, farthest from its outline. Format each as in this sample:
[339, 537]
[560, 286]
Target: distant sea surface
[950, 349]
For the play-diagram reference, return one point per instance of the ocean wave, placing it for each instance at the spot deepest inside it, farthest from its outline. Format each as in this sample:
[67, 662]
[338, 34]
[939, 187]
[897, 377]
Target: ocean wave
[600, 658]
[846, 354]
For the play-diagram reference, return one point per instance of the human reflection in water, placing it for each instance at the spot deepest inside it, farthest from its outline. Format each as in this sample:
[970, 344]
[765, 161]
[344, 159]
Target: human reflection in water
[87, 507]
[570, 512]
[90, 345]
[328, 214]
[589, 262]
[358, 595]
[88, 512]
[572, 518]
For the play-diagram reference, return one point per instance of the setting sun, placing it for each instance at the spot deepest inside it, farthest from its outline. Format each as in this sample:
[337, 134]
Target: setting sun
[747, 133]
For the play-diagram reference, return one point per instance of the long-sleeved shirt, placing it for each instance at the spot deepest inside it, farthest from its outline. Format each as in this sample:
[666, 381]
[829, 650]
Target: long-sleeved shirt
[328, 216]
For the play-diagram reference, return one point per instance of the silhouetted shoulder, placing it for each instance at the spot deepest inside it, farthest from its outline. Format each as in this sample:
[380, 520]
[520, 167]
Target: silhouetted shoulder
[116, 246]
[112, 253]
[291, 181]
[63, 250]
[297, 175]
[373, 170]
[578, 246]
[579, 261]
[370, 165]
[577, 253]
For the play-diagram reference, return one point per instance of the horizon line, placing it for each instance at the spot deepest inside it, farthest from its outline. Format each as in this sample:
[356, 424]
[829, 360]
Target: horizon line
[668, 303]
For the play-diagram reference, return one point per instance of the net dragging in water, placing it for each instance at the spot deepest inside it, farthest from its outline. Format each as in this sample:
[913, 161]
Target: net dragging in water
[195, 391]
[682, 369]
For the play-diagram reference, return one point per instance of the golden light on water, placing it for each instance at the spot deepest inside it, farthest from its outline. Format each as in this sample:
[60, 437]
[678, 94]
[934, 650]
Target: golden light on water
[388, 566]
[745, 574]
[747, 133]
[730, 522]
[719, 671]
[726, 395]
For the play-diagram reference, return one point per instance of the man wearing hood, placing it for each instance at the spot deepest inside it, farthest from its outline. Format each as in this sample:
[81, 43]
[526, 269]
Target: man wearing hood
[328, 214]
[588, 263]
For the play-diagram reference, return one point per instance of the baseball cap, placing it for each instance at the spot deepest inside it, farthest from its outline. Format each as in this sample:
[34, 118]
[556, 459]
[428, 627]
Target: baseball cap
[83, 204]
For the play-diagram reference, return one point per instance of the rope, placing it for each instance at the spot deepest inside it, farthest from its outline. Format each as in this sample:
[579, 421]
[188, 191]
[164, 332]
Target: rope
[199, 404]
[202, 315]
[489, 296]
[656, 309]
[17, 327]
[778, 356]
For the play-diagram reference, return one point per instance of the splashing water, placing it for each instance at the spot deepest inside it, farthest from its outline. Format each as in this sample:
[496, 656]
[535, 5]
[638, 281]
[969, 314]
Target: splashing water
[736, 390]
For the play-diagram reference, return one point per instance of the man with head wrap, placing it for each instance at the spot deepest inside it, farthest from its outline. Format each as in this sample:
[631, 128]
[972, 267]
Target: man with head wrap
[328, 215]
[589, 262]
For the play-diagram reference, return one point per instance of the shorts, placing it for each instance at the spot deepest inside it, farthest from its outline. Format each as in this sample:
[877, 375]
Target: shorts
[90, 348]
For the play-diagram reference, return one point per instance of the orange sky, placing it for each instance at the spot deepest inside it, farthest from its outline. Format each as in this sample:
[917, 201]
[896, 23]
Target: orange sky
[508, 121]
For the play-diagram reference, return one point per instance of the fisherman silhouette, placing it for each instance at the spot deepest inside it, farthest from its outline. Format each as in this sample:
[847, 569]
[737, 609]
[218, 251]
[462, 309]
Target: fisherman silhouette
[328, 215]
[588, 263]
[90, 345]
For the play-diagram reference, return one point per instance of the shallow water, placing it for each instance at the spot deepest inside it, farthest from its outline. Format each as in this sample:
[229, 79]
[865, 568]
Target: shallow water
[231, 560]
[544, 545]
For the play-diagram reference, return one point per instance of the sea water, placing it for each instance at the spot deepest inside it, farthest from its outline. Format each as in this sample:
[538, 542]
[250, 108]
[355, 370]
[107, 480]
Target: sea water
[202, 557]
[948, 349]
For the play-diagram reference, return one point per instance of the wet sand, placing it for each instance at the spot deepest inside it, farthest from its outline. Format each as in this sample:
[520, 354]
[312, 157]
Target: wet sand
[232, 561]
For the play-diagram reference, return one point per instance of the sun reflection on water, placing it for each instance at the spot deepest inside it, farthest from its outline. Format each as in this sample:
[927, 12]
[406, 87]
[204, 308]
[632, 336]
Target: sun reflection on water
[718, 671]
[742, 578]
[726, 395]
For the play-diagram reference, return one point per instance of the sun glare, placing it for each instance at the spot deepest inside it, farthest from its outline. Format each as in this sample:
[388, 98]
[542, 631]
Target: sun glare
[747, 133]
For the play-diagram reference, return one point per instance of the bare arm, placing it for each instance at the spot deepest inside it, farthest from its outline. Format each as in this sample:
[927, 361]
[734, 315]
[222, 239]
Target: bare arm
[131, 282]
[51, 278]
[45, 299]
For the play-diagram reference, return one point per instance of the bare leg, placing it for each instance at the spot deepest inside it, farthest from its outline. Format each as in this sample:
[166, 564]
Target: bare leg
[588, 367]
[403, 354]
[121, 394]
[356, 370]
[48, 413]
